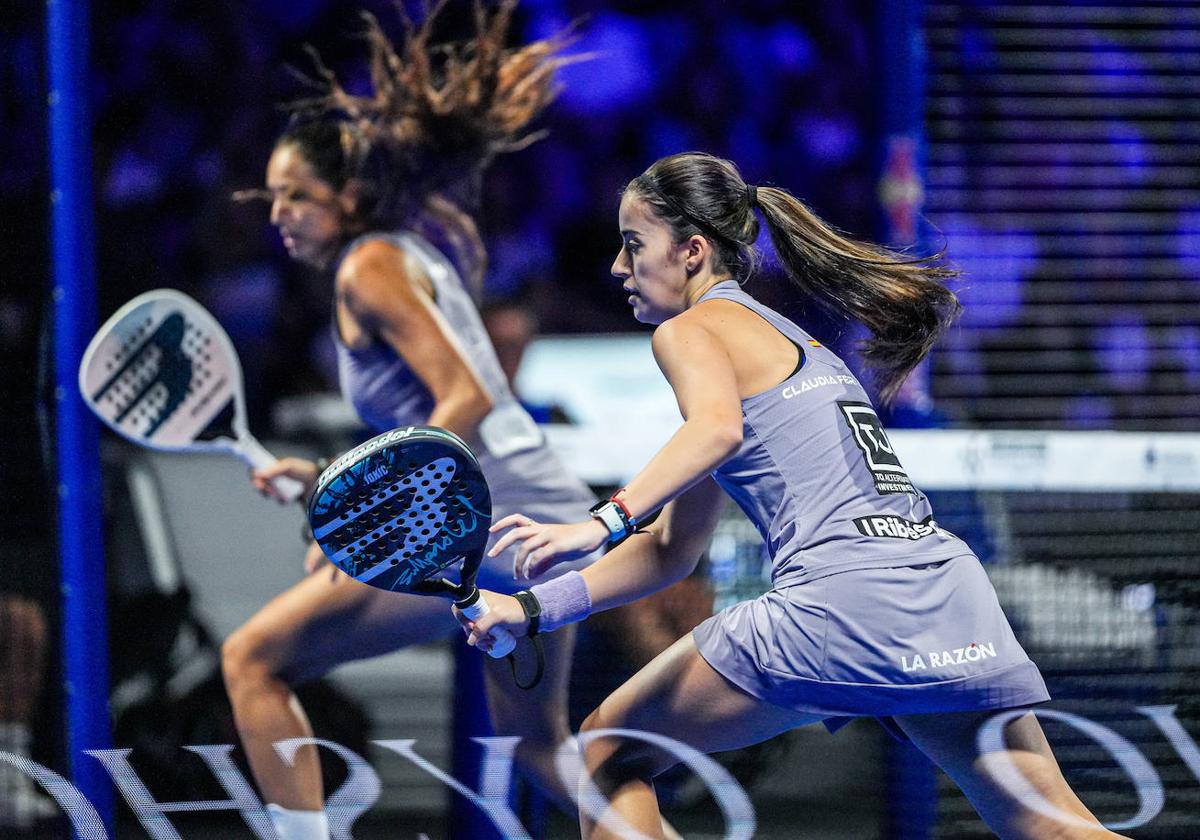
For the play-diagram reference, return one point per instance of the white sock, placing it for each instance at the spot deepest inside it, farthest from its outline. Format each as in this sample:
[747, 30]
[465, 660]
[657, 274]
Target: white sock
[298, 825]
[20, 802]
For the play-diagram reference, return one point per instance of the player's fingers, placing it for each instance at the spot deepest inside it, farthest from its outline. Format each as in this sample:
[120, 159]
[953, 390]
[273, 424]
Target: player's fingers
[536, 560]
[535, 566]
[503, 543]
[467, 624]
[522, 533]
[525, 570]
[269, 471]
[314, 560]
[536, 543]
[480, 626]
[296, 468]
[509, 521]
[478, 636]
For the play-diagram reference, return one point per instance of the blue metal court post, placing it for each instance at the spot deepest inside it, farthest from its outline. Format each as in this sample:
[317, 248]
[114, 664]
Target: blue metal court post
[470, 720]
[84, 614]
[911, 777]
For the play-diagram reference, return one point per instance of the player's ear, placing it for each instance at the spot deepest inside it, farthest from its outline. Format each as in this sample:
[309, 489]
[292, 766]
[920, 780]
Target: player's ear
[695, 250]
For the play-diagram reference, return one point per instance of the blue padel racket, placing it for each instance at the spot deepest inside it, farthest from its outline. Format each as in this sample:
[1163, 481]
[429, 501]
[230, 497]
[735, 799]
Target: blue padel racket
[399, 510]
[164, 374]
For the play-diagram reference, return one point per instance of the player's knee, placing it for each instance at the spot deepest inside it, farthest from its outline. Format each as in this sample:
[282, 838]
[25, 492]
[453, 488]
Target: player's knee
[596, 749]
[613, 714]
[600, 718]
[617, 758]
[243, 660]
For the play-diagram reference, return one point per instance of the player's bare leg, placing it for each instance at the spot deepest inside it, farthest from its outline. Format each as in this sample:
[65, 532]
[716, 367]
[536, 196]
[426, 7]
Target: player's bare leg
[680, 696]
[324, 620]
[950, 740]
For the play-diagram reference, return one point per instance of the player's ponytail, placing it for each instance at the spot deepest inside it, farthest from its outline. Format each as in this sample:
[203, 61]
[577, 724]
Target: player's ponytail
[902, 301]
[436, 115]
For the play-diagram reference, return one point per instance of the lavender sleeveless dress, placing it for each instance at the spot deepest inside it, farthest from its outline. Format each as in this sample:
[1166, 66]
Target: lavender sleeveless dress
[874, 610]
[523, 474]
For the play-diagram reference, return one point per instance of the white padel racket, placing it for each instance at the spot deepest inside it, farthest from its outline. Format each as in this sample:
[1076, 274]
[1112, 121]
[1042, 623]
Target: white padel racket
[164, 374]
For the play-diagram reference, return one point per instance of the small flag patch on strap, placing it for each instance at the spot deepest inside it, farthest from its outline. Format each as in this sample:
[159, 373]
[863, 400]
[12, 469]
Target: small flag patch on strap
[814, 342]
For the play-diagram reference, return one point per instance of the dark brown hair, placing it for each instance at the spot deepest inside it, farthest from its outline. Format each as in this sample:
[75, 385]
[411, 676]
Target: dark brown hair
[436, 116]
[902, 301]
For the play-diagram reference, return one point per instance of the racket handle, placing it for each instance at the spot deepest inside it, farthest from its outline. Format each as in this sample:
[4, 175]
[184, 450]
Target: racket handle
[289, 489]
[504, 640]
[256, 455]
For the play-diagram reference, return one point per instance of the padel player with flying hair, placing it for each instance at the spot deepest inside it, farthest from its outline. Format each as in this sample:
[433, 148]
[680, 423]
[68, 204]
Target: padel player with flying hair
[354, 182]
[874, 610]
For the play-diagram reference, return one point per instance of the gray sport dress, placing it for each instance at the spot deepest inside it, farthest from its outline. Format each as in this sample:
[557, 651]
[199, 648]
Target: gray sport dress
[523, 474]
[874, 610]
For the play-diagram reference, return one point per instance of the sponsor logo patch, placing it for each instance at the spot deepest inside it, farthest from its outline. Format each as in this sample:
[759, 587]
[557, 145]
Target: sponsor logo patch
[974, 652]
[896, 527]
[877, 451]
[806, 385]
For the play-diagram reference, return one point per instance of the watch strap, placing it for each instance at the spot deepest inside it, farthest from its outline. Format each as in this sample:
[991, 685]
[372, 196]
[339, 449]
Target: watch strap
[613, 518]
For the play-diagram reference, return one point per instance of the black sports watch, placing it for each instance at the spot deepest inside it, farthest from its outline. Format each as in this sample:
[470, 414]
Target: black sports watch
[533, 610]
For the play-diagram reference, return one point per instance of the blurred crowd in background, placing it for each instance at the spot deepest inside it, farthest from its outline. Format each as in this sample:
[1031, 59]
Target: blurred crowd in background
[187, 100]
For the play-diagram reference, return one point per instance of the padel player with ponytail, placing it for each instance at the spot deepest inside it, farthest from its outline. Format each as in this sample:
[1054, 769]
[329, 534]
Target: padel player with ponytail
[354, 183]
[874, 610]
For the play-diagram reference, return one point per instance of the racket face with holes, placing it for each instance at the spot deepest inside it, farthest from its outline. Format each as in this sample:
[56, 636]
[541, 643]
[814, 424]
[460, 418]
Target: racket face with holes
[401, 508]
[163, 373]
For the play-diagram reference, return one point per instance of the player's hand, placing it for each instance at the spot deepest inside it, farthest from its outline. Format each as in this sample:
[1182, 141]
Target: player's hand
[540, 546]
[503, 610]
[315, 559]
[301, 470]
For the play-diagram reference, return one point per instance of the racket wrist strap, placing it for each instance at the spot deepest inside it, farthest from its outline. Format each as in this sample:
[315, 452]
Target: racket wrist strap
[564, 600]
[533, 611]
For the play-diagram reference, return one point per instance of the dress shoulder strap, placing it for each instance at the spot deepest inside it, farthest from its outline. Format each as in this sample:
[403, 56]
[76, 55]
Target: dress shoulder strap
[731, 290]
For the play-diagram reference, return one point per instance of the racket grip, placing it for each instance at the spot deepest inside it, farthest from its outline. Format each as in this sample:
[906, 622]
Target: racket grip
[504, 640]
[289, 489]
[256, 455]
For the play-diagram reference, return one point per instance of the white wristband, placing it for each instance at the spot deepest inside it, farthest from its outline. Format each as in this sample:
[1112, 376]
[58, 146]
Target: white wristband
[611, 518]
